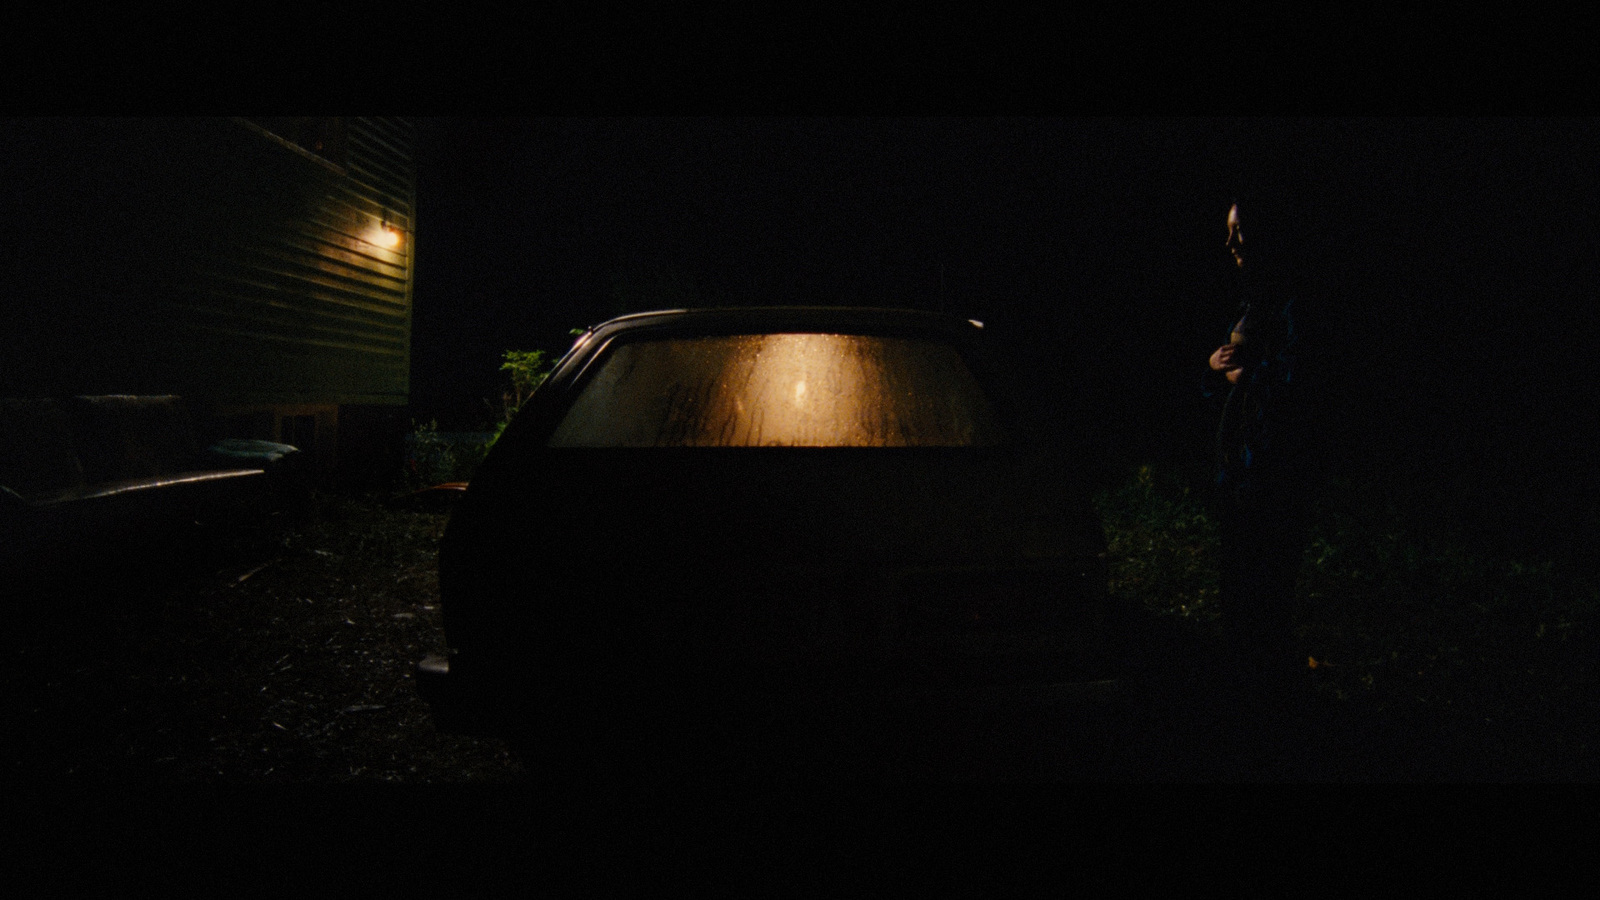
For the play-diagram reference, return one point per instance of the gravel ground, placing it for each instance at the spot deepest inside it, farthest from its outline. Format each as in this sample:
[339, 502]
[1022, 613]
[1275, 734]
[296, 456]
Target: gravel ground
[286, 658]
[281, 658]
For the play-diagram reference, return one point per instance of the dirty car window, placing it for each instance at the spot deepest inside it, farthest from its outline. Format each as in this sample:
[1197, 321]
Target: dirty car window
[787, 390]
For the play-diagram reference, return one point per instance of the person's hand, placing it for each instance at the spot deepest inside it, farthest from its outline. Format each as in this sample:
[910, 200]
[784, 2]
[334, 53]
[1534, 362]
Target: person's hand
[1226, 360]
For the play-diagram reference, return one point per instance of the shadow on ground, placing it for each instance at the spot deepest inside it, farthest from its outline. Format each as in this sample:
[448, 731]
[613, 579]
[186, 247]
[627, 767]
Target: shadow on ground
[287, 658]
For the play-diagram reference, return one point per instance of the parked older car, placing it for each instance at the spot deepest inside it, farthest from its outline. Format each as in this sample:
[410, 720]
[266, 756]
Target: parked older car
[88, 481]
[708, 514]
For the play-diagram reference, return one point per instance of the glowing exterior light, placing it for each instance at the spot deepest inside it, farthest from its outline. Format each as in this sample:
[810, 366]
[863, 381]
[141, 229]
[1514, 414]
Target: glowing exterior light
[384, 234]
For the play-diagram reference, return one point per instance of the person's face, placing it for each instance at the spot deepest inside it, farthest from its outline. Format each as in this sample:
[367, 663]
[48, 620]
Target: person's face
[1235, 236]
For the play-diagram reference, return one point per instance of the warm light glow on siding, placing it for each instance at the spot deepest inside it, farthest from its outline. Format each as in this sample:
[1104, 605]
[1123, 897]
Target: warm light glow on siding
[387, 237]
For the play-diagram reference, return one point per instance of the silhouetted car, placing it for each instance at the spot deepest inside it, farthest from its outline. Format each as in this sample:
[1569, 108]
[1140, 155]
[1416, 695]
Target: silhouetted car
[89, 484]
[718, 511]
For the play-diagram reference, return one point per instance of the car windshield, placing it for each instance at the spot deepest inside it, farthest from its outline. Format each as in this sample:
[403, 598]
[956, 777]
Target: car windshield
[780, 390]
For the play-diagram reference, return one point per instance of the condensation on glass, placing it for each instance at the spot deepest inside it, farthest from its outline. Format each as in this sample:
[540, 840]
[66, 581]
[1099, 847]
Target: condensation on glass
[780, 390]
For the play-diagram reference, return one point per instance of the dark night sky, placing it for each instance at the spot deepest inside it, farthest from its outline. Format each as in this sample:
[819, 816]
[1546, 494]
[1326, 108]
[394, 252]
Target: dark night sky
[1450, 265]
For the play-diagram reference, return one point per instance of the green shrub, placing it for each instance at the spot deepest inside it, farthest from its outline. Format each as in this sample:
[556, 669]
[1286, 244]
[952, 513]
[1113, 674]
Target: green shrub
[434, 458]
[1393, 603]
[528, 369]
[1161, 547]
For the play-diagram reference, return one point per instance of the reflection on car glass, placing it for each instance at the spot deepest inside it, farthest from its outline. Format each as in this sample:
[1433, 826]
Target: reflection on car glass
[785, 390]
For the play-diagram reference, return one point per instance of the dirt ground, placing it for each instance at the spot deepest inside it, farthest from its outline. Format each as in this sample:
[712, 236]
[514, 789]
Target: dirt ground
[286, 658]
[283, 658]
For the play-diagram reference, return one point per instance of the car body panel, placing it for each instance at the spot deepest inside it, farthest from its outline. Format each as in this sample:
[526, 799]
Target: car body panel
[708, 571]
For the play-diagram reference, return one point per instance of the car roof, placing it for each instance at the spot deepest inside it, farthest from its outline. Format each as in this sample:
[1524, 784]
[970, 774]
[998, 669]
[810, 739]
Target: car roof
[778, 318]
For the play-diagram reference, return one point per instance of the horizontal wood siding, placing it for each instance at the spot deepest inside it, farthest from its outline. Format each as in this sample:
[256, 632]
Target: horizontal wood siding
[282, 295]
[205, 257]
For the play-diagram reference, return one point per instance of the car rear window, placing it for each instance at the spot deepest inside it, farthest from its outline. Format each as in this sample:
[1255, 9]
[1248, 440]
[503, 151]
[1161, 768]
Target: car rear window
[780, 390]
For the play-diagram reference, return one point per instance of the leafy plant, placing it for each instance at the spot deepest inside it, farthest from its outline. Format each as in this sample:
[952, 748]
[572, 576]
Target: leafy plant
[1161, 546]
[430, 458]
[529, 369]
[1394, 603]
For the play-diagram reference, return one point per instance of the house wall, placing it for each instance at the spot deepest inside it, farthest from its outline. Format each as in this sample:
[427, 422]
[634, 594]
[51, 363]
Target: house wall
[218, 259]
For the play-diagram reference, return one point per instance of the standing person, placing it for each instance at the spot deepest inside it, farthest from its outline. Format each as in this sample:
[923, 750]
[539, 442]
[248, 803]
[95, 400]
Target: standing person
[1261, 450]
